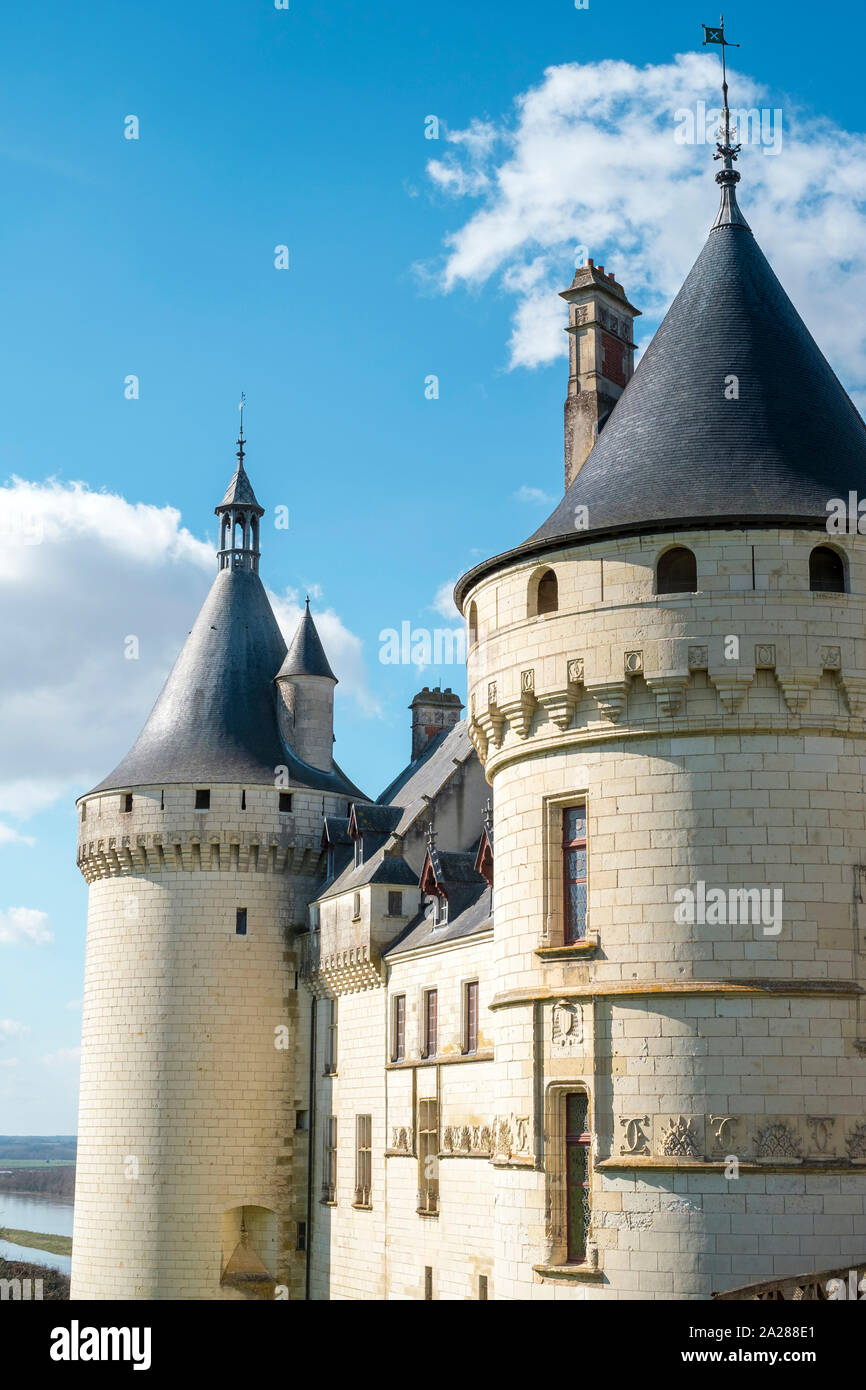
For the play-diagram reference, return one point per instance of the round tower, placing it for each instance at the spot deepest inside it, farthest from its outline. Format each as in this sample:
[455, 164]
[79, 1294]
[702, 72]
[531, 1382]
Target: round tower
[202, 851]
[667, 687]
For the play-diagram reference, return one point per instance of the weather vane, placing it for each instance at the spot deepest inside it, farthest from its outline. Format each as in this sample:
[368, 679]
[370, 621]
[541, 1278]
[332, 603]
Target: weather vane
[243, 402]
[716, 34]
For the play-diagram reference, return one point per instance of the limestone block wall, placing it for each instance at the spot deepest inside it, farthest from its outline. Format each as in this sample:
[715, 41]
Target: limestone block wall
[193, 1038]
[706, 765]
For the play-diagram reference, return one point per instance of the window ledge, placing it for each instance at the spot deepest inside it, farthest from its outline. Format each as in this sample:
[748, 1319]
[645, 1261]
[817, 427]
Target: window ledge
[429, 1215]
[577, 1273]
[362, 1206]
[327, 1202]
[571, 952]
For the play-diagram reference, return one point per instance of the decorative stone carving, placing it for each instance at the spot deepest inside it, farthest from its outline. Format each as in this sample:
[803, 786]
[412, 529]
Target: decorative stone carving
[679, 1139]
[821, 1134]
[575, 671]
[797, 687]
[854, 690]
[633, 662]
[855, 1144]
[610, 698]
[778, 1140]
[765, 655]
[559, 705]
[831, 658]
[721, 1133]
[566, 1026]
[510, 1136]
[731, 687]
[698, 658]
[401, 1138]
[635, 1139]
[668, 690]
[527, 681]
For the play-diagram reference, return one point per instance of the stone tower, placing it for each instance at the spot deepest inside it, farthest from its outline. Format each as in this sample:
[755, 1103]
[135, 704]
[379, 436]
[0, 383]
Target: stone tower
[676, 738]
[202, 851]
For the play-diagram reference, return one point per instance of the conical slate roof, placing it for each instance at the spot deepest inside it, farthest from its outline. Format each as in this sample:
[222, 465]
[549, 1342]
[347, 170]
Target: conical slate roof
[215, 719]
[306, 655]
[239, 492]
[675, 452]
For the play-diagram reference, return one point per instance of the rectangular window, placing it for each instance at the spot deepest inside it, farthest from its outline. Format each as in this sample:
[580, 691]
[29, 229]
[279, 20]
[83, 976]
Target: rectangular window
[577, 1179]
[241, 922]
[398, 1029]
[395, 904]
[329, 1171]
[356, 906]
[126, 802]
[482, 1288]
[363, 1160]
[243, 801]
[574, 872]
[302, 1119]
[428, 1157]
[331, 1038]
[202, 801]
[431, 1022]
[84, 810]
[359, 852]
[285, 801]
[428, 1283]
[301, 1242]
[470, 1016]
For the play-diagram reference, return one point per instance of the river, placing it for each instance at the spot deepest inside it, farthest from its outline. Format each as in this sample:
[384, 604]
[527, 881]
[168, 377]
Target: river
[31, 1211]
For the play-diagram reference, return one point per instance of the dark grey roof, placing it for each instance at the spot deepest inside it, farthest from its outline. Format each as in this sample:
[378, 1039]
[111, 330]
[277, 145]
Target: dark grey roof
[452, 868]
[467, 918]
[215, 719]
[374, 819]
[426, 776]
[336, 830]
[675, 452]
[391, 869]
[239, 492]
[306, 655]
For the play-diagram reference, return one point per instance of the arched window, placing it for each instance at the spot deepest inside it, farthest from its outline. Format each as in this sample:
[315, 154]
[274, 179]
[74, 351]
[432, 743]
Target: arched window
[473, 624]
[826, 571]
[547, 599]
[677, 572]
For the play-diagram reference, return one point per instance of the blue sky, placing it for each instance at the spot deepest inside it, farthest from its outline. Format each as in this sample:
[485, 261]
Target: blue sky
[408, 257]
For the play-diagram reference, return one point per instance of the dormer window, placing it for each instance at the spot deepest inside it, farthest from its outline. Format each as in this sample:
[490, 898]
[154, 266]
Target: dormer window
[359, 852]
[440, 911]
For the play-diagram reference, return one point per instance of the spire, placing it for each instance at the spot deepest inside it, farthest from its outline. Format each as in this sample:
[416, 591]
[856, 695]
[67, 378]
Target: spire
[239, 514]
[306, 655]
[728, 177]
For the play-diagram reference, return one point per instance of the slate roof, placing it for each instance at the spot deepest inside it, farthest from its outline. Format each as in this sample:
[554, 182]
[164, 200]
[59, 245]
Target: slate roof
[239, 493]
[466, 918]
[215, 719]
[675, 453]
[427, 774]
[306, 655]
[380, 867]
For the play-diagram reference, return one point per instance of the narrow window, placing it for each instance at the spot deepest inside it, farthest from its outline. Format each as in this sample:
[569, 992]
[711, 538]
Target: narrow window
[482, 1287]
[677, 572]
[358, 852]
[574, 872]
[243, 801]
[302, 1119]
[329, 862]
[356, 906]
[363, 1159]
[547, 596]
[577, 1183]
[428, 1283]
[395, 904]
[301, 1242]
[127, 802]
[241, 922]
[162, 800]
[431, 1022]
[473, 624]
[398, 1029]
[329, 1171]
[826, 571]
[331, 1038]
[84, 810]
[428, 1157]
[202, 801]
[285, 802]
[470, 1016]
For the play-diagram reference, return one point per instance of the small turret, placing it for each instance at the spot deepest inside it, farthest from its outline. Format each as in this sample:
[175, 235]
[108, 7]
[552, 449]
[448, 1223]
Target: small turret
[305, 697]
[432, 711]
[239, 514]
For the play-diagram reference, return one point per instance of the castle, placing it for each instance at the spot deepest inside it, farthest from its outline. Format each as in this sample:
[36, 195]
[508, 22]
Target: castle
[573, 1009]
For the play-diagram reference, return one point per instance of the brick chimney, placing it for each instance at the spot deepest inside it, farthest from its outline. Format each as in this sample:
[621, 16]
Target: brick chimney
[432, 711]
[601, 358]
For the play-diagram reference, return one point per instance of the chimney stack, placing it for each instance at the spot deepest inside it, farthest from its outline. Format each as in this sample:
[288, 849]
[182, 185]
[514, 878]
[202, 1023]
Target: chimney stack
[601, 358]
[432, 711]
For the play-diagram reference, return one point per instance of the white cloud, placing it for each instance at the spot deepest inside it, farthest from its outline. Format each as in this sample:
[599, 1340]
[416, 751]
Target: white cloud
[534, 495]
[9, 836]
[80, 573]
[63, 1057]
[443, 600]
[25, 926]
[10, 1028]
[10, 1062]
[588, 162]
